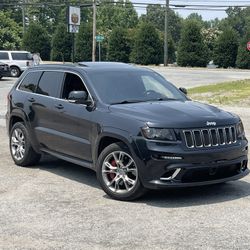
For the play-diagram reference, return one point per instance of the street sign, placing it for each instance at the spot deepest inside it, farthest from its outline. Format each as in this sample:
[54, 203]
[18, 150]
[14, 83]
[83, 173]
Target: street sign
[99, 38]
[248, 45]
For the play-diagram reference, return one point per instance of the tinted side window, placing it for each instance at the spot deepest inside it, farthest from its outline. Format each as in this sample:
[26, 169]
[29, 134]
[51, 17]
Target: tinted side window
[50, 84]
[72, 83]
[4, 56]
[20, 56]
[30, 82]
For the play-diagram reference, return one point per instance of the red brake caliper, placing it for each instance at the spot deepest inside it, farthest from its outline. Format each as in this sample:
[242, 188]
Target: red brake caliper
[112, 175]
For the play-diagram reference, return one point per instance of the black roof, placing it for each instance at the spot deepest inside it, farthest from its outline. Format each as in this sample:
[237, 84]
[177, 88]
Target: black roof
[90, 66]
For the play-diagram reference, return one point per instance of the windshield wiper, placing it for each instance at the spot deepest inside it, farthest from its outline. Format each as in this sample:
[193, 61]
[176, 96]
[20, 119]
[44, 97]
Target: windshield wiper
[162, 99]
[127, 101]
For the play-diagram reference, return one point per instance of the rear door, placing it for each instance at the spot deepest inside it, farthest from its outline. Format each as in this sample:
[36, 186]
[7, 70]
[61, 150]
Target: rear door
[44, 109]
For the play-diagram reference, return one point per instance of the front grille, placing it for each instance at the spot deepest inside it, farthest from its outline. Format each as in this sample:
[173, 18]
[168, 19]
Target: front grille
[211, 137]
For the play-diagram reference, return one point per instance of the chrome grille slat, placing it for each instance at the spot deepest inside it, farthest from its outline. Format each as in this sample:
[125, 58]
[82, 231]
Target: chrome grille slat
[209, 137]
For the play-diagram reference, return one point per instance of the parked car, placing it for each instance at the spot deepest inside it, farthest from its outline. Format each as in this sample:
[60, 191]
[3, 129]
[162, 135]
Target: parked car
[18, 61]
[129, 124]
[4, 70]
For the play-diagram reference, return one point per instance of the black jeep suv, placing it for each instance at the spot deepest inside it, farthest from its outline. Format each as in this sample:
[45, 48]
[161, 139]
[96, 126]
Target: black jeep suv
[135, 129]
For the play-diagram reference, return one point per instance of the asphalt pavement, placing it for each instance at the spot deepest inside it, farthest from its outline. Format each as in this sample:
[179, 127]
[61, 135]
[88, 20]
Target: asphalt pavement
[58, 205]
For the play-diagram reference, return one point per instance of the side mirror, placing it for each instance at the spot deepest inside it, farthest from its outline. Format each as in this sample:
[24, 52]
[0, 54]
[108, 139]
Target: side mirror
[80, 97]
[183, 90]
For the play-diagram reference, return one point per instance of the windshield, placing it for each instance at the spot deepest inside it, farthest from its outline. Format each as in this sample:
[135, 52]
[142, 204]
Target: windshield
[128, 86]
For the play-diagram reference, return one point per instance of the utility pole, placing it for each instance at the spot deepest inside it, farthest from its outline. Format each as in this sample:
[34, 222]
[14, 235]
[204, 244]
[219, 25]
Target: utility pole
[166, 35]
[23, 15]
[94, 31]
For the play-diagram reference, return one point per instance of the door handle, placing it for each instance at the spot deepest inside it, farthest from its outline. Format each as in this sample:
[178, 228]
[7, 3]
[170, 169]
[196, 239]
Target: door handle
[59, 106]
[31, 99]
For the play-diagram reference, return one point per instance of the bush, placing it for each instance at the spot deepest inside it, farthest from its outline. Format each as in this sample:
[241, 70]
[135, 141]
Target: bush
[119, 48]
[191, 49]
[147, 45]
[61, 44]
[37, 40]
[243, 57]
[84, 43]
[226, 48]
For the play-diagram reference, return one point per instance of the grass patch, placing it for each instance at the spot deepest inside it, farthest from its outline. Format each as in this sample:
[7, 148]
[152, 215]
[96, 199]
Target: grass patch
[227, 93]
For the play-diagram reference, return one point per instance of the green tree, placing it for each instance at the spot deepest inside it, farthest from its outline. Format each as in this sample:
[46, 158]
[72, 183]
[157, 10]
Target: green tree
[10, 32]
[36, 39]
[119, 48]
[84, 43]
[238, 19]
[156, 16]
[210, 36]
[191, 49]
[146, 49]
[243, 56]
[226, 48]
[61, 44]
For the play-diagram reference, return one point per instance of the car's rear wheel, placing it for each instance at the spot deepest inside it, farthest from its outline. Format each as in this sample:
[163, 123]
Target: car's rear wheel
[118, 173]
[15, 71]
[20, 147]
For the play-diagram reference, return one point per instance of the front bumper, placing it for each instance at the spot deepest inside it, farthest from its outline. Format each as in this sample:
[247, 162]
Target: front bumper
[172, 166]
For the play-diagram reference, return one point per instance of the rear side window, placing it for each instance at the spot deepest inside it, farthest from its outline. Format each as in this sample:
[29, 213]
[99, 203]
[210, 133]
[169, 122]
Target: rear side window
[20, 56]
[50, 84]
[30, 82]
[4, 56]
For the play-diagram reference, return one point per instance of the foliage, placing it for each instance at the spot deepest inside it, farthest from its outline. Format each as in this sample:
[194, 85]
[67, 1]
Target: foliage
[119, 47]
[156, 16]
[84, 43]
[243, 55]
[227, 93]
[61, 44]
[226, 48]
[37, 40]
[238, 19]
[210, 36]
[10, 32]
[120, 14]
[147, 45]
[192, 50]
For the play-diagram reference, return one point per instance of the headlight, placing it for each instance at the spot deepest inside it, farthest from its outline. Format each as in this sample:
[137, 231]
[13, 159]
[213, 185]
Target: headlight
[159, 134]
[240, 129]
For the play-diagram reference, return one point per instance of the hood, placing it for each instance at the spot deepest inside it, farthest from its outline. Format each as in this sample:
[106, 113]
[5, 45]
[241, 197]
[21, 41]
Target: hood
[175, 114]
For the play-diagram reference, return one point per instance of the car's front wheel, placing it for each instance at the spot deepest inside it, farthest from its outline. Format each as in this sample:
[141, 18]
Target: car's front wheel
[20, 147]
[118, 173]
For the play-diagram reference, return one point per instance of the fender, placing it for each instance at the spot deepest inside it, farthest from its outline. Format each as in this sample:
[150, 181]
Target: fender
[118, 134]
[22, 115]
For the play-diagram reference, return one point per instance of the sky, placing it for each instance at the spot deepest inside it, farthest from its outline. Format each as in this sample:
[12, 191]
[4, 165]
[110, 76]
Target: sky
[206, 14]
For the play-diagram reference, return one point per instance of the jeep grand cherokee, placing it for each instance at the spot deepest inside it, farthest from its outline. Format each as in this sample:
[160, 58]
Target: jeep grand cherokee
[130, 125]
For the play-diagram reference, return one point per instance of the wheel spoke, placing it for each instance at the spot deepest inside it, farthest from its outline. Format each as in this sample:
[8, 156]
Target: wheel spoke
[126, 185]
[116, 159]
[129, 181]
[108, 165]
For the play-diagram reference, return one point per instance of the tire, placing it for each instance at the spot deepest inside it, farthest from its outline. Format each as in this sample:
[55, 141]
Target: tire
[15, 71]
[20, 147]
[118, 173]
[1, 77]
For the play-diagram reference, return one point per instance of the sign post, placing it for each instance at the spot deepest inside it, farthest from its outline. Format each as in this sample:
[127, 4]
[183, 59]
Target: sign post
[74, 18]
[99, 39]
[248, 46]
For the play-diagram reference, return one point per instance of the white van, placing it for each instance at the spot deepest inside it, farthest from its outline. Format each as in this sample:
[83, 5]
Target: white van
[17, 60]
